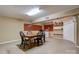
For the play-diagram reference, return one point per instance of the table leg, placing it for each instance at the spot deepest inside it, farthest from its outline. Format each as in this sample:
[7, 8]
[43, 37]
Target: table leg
[29, 43]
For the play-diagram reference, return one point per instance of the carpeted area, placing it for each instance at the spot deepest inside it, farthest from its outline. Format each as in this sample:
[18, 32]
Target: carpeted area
[51, 46]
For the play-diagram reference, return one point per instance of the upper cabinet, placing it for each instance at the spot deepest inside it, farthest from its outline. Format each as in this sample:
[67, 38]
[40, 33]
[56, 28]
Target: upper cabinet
[32, 27]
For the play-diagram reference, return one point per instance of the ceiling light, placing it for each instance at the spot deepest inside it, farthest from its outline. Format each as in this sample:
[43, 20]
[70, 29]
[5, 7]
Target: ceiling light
[33, 12]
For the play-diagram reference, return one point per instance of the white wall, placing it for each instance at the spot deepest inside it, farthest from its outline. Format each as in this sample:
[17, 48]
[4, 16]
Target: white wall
[9, 29]
[69, 30]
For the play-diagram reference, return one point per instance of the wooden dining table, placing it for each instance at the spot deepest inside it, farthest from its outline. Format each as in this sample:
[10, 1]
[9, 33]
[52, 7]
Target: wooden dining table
[30, 37]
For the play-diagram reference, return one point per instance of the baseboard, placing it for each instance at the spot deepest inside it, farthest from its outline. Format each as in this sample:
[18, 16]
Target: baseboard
[70, 41]
[9, 41]
[77, 46]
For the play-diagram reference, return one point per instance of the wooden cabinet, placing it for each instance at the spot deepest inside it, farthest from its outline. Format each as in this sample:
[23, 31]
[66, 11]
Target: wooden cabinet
[48, 27]
[32, 27]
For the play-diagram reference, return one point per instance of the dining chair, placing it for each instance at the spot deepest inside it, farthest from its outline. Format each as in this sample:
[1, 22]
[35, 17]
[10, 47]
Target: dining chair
[38, 40]
[43, 35]
[24, 40]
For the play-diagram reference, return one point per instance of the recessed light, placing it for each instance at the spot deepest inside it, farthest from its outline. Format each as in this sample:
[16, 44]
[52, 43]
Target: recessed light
[33, 12]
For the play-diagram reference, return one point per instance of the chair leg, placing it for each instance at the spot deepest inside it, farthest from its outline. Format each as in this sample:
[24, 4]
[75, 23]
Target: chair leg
[44, 39]
[38, 43]
[24, 44]
[34, 42]
[41, 41]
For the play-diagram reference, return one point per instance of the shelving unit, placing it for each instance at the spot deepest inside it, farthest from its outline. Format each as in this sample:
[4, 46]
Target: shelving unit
[57, 30]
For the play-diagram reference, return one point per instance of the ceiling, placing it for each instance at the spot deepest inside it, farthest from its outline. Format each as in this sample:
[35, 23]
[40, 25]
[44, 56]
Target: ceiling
[18, 11]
